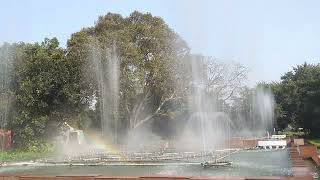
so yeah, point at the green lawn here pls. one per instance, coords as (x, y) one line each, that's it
(20, 156)
(314, 142)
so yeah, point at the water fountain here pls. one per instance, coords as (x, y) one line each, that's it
(254, 117)
(106, 68)
(204, 139)
(263, 111)
(208, 129)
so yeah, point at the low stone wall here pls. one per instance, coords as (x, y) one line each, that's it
(298, 142)
(309, 151)
(243, 143)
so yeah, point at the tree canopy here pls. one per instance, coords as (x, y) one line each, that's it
(43, 90)
(298, 98)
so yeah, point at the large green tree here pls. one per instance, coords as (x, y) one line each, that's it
(151, 63)
(298, 98)
(44, 90)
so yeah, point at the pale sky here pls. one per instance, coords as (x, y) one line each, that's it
(269, 37)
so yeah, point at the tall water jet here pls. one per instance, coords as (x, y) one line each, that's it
(4, 85)
(106, 68)
(254, 113)
(196, 100)
(5, 62)
(263, 111)
(114, 84)
(206, 127)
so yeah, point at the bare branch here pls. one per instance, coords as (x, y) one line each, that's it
(224, 79)
(157, 112)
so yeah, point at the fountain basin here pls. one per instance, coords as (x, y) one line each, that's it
(244, 163)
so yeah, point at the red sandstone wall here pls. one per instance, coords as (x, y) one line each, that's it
(308, 151)
(243, 143)
(5, 139)
(298, 142)
(236, 143)
(250, 143)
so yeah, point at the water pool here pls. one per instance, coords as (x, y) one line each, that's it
(244, 163)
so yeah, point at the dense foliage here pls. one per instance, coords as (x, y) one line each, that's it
(298, 99)
(42, 89)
